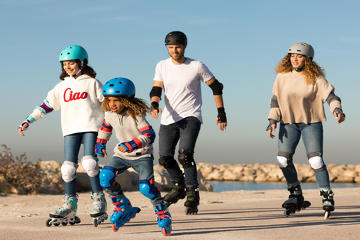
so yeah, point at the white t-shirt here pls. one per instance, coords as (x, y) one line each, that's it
(79, 101)
(182, 89)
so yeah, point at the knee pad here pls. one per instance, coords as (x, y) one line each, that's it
(148, 188)
(186, 159)
(68, 171)
(107, 177)
(167, 161)
(283, 159)
(316, 161)
(90, 165)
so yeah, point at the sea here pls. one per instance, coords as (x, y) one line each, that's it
(236, 186)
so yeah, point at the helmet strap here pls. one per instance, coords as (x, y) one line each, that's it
(299, 69)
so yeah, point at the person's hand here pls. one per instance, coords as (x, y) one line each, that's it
(100, 149)
(338, 113)
(23, 126)
(271, 128)
(155, 110)
(221, 119)
(128, 146)
(222, 125)
(122, 148)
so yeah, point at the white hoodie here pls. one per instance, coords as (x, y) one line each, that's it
(79, 100)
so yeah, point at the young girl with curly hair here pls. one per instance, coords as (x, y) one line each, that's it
(299, 92)
(126, 115)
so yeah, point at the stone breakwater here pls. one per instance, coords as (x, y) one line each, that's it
(272, 173)
(52, 183)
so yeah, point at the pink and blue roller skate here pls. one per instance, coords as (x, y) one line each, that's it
(123, 211)
(163, 218)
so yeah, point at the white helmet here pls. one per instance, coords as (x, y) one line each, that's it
(303, 49)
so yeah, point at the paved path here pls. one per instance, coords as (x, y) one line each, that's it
(228, 215)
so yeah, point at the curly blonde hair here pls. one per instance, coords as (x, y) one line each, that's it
(132, 106)
(311, 69)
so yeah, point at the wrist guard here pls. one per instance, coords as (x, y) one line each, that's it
(129, 146)
(154, 106)
(221, 115)
(100, 146)
(271, 122)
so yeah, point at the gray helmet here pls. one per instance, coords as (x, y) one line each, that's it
(303, 49)
(175, 37)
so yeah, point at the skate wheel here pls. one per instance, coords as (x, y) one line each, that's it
(306, 204)
(56, 224)
(48, 222)
(64, 223)
(287, 212)
(327, 215)
(114, 228)
(72, 223)
(163, 230)
(189, 211)
(96, 223)
(77, 219)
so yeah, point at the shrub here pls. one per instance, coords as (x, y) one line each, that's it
(24, 176)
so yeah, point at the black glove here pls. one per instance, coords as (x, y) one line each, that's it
(221, 115)
(154, 106)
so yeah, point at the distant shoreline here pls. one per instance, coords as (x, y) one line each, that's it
(348, 173)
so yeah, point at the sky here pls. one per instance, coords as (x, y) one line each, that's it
(241, 42)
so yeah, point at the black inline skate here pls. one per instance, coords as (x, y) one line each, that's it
(296, 201)
(192, 200)
(177, 192)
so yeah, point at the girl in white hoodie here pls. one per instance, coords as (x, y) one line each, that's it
(79, 98)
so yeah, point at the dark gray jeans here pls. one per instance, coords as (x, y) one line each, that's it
(185, 132)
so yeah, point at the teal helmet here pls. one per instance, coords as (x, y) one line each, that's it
(73, 52)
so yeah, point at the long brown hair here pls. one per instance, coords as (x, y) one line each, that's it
(86, 69)
(311, 69)
(132, 106)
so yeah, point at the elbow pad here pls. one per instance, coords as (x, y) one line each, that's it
(155, 92)
(217, 87)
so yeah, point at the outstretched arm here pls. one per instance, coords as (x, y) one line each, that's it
(217, 87)
(38, 113)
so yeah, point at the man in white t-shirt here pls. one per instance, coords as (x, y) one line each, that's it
(181, 78)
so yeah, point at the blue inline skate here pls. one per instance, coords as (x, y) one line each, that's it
(123, 211)
(163, 218)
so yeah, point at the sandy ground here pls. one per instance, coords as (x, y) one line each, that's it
(227, 215)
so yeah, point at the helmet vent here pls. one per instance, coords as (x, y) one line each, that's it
(111, 85)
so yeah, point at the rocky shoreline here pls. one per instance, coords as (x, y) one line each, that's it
(272, 173)
(52, 183)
